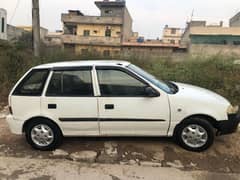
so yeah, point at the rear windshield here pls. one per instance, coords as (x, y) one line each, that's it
(33, 83)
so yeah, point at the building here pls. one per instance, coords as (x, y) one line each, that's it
(14, 33)
(54, 39)
(197, 26)
(211, 40)
(3, 24)
(43, 31)
(235, 20)
(171, 35)
(99, 35)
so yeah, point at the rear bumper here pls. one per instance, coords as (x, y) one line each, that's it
(14, 125)
(228, 126)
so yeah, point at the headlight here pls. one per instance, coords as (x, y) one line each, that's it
(232, 109)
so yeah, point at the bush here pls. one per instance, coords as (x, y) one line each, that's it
(216, 73)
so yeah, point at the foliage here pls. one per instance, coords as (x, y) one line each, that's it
(217, 73)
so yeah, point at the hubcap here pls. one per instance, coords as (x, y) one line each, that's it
(195, 136)
(42, 135)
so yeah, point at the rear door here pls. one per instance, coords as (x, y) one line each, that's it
(124, 107)
(25, 99)
(70, 101)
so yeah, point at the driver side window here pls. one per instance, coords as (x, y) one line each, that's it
(114, 82)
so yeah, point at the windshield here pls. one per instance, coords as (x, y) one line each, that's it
(161, 84)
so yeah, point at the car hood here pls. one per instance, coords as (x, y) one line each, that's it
(199, 93)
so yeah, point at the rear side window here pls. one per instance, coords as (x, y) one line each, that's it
(71, 83)
(33, 83)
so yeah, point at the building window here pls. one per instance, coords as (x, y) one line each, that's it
(106, 53)
(86, 33)
(108, 32)
(172, 41)
(3, 25)
(108, 11)
(173, 31)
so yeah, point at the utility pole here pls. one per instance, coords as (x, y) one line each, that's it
(36, 27)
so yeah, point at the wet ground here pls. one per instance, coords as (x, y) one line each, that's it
(223, 157)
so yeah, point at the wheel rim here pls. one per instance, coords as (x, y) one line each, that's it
(42, 135)
(194, 136)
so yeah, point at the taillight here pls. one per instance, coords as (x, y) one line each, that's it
(10, 109)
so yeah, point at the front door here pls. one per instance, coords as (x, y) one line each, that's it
(124, 107)
(71, 102)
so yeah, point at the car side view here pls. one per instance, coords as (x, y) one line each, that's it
(114, 98)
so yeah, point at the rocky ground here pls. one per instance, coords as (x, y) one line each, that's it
(117, 158)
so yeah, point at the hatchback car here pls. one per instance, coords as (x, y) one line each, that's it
(114, 98)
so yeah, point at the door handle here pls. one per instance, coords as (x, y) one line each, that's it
(52, 106)
(109, 106)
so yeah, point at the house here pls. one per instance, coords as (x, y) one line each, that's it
(171, 35)
(99, 35)
(204, 39)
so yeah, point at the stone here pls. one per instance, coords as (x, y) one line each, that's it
(150, 164)
(110, 148)
(132, 162)
(84, 156)
(139, 155)
(175, 164)
(59, 153)
(158, 156)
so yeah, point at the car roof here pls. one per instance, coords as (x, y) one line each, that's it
(83, 63)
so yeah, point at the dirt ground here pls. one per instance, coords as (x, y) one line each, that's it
(223, 157)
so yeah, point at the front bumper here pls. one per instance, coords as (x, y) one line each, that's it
(229, 126)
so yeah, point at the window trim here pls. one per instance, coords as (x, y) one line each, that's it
(59, 69)
(133, 75)
(22, 81)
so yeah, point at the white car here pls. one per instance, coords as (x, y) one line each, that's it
(114, 98)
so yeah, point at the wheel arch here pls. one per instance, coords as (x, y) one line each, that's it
(38, 118)
(208, 118)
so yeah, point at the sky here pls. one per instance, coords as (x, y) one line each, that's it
(149, 16)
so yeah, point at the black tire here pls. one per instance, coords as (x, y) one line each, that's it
(57, 134)
(195, 121)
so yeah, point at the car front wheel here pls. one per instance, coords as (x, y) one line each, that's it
(195, 134)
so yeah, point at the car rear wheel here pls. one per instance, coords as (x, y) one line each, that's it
(195, 134)
(43, 135)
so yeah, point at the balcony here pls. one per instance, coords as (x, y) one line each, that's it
(66, 18)
(91, 40)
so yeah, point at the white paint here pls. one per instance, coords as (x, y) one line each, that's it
(3, 24)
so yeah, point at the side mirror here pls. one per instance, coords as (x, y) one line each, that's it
(150, 92)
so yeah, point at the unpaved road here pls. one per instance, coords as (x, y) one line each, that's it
(19, 161)
(21, 168)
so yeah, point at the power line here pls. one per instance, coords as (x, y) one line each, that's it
(14, 12)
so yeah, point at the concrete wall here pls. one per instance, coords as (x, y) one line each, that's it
(146, 52)
(208, 50)
(127, 26)
(91, 19)
(98, 30)
(3, 24)
(97, 50)
(235, 21)
(91, 40)
(14, 33)
(112, 11)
